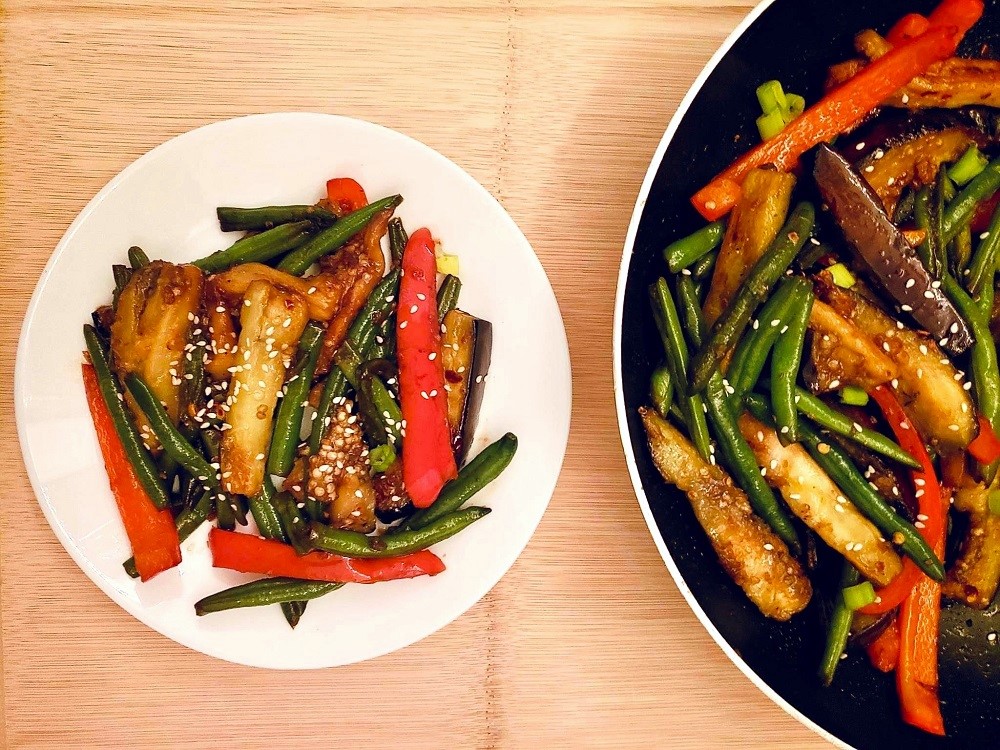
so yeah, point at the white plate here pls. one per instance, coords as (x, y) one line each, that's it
(165, 202)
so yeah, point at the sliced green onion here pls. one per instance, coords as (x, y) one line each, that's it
(853, 396)
(994, 501)
(842, 275)
(771, 97)
(770, 124)
(796, 106)
(447, 264)
(968, 166)
(859, 595)
(382, 457)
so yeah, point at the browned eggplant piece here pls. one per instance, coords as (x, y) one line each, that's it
(879, 243)
(929, 387)
(339, 474)
(813, 497)
(321, 292)
(866, 628)
(974, 577)
(914, 163)
(391, 500)
(842, 354)
(466, 348)
(750, 552)
(754, 223)
(222, 336)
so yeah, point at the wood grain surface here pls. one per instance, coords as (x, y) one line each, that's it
(556, 107)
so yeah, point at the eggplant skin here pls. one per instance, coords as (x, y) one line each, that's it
(813, 497)
(974, 577)
(926, 382)
(880, 244)
(466, 351)
(749, 551)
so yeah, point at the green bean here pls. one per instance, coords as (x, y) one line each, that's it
(266, 217)
(356, 544)
(186, 522)
(924, 217)
(751, 354)
(385, 339)
(811, 254)
(447, 297)
(288, 422)
(381, 410)
(672, 335)
(661, 390)
(961, 250)
(945, 191)
(265, 515)
(397, 240)
(704, 267)
(687, 250)
(846, 476)
(258, 248)
(690, 310)
(263, 592)
(960, 210)
(739, 459)
(122, 275)
(826, 416)
(292, 522)
(785, 363)
(360, 339)
(299, 260)
(170, 438)
(754, 289)
(472, 477)
(984, 262)
(138, 456)
(840, 627)
(903, 211)
(983, 358)
(137, 257)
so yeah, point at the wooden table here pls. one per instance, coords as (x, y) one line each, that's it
(556, 107)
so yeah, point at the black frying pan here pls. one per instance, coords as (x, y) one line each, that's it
(793, 41)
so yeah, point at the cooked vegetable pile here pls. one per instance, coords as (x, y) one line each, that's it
(335, 409)
(830, 387)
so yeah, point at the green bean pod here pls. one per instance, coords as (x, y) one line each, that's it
(959, 210)
(961, 249)
(288, 421)
(141, 460)
(924, 216)
(137, 257)
(687, 250)
(292, 522)
(826, 416)
(661, 390)
(690, 310)
(739, 459)
(473, 477)
(672, 335)
(903, 211)
(785, 363)
(356, 544)
(265, 515)
(258, 248)
(840, 627)
(447, 297)
(332, 238)
(754, 289)
(169, 436)
(233, 219)
(751, 354)
(702, 269)
(263, 592)
(984, 263)
(397, 240)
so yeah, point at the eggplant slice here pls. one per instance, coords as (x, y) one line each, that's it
(881, 245)
(467, 343)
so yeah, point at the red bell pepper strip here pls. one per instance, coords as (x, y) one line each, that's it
(345, 195)
(986, 447)
(428, 460)
(151, 532)
(932, 521)
(837, 112)
(961, 15)
(884, 650)
(909, 26)
(248, 553)
(920, 613)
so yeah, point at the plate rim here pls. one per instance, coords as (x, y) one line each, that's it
(620, 409)
(563, 361)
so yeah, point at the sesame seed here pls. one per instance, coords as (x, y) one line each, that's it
(402, 324)
(769, 546)
(432, 356)
(834, 383)
(870, 168)
(905, 308)
(910, 283)
(860, 146)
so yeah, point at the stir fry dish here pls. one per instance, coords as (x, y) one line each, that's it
(830, 388)
(302, 379)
